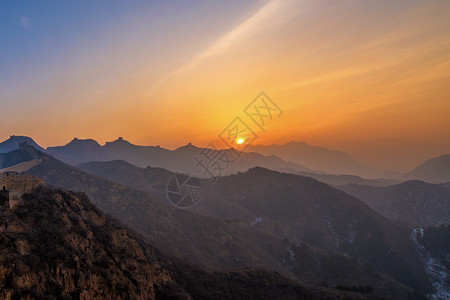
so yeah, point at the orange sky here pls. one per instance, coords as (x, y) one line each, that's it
(340, 71)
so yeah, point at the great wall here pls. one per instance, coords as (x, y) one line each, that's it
(13, 185)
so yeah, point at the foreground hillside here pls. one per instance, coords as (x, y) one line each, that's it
(58, 245)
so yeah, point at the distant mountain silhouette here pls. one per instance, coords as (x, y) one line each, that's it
(435, 170)
(57, 245)
(179, 160)
(349, 179)
(415, 202)
(291, 207)
(13, 143)
(315, 158)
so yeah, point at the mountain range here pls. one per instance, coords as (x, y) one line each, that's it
(329, 166)
(315, 158)
(302, 235)
(306, 217)
(295, 225)
(179, 160)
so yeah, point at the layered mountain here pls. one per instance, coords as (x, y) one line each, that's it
(57, 245)
(314, 158)
(300, 210)
(181, 159)
(415, 202)
(349, 179)
(435, 170)
(226, 243)
(397, 155)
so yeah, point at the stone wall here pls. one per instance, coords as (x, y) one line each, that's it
(18, 184)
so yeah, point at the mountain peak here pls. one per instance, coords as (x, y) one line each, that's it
(83, 141)
(188, 146)
(434, 170)
(120, 141)
(14, 141)
(260, 170)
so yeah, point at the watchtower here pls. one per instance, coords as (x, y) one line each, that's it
(4, 196)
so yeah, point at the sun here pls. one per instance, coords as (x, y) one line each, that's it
(240, 141)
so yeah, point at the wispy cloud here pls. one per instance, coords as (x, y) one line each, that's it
(26, 22)
(249, 27)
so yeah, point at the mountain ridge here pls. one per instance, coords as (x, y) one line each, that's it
(314, 157)
(416, 202)
(434, 170)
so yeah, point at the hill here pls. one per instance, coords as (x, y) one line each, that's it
(415, 202)
(314, 158)
(349, 179)
(13, 143)
(300, 210)
(58, 245)
(24, 155)
(435, 170)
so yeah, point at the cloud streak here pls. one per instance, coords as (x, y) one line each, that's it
(247, 28)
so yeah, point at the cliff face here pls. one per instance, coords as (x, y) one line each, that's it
(58, 245)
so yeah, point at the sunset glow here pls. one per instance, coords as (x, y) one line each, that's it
(167, 73)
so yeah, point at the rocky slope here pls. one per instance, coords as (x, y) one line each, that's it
(57, 245)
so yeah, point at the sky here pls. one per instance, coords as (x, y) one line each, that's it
(172, 72)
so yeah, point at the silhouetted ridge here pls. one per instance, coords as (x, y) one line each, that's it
(435, 170)
(13, 143)
(89, 142)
